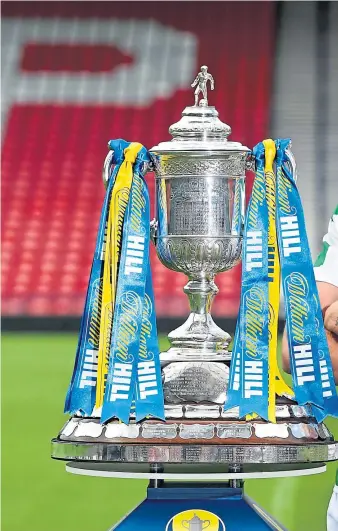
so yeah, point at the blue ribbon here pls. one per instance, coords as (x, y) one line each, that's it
(82, 390)
(310, 361)
(248, 382)
(134, 368)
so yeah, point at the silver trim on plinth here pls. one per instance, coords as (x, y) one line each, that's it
(190, 453)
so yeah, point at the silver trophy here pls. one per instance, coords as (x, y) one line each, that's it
(200, 203)
(200, 194)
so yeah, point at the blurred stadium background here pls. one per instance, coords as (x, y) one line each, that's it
(74, 75)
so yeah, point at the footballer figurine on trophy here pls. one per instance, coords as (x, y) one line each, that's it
(201, 81)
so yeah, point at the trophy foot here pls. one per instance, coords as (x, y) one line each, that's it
(198, 339)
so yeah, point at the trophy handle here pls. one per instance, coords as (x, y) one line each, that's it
(106, 173)
(205, 522)
(153, 231)
(250, 162)
(184, 522)
(107, 168)
(292, 162)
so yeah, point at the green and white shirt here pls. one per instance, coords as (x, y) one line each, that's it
(326, 265)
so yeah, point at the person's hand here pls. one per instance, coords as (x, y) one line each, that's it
(332, 343)
(331, 318)
(331, 330)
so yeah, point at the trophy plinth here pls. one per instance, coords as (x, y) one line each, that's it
(202, 434)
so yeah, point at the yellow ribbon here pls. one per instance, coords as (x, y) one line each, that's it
(117, 209)
(276, 382)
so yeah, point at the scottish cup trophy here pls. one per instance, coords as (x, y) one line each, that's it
(198, 231)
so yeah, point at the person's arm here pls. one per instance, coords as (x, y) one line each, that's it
(331, 318)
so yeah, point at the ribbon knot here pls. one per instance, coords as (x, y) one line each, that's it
(270, 154)
(131, 152)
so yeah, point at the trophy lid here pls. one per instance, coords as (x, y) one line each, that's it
(200, 128)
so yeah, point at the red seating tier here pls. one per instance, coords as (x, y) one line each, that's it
(53, 152)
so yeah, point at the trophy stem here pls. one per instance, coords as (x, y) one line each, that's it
(199, 338)
(201, 293)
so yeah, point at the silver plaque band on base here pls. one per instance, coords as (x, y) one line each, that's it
(176, 453)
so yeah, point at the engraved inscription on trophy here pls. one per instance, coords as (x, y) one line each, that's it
(283, 454)
(233, 431)
(192, 454)
(199, 206)
(176, 453)
(208, 454)
(195, 382)
(156, 454)
(133, 453)
(269, 453)
(196, 431)
(159, 431)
